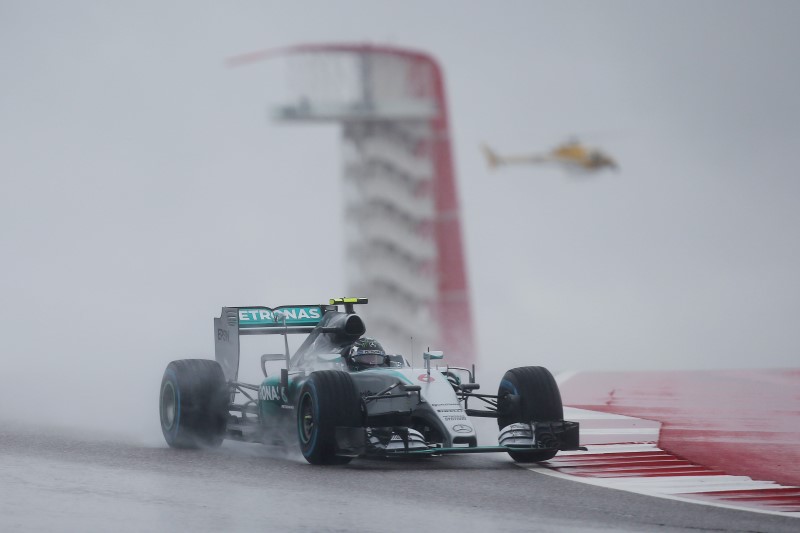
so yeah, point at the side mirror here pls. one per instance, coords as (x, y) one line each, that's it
(428, 356)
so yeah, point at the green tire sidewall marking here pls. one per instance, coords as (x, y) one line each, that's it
(305, 439)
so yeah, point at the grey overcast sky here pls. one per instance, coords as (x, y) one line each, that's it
(143, 186)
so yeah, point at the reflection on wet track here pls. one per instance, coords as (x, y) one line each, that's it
(66, 482)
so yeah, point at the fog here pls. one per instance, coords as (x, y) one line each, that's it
(144, 186)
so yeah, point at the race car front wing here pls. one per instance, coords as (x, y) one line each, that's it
(559, 435)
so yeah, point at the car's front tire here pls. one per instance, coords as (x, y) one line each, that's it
(193, 403)
(525, 394)
(327, 399)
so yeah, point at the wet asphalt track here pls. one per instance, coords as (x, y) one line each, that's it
(52, 481)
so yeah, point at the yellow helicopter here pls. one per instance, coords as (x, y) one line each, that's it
(572, 154)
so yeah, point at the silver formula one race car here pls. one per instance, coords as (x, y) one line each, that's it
(341, 396)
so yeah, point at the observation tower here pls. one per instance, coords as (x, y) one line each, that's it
(403, 246)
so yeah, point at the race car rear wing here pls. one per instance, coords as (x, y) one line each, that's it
(259, 320)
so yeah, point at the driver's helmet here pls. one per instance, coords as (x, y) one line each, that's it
(366, 352)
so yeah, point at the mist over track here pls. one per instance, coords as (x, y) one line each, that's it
(71, 482)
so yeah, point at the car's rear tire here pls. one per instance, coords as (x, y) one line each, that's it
(327, 399)
(536, 397)
(193, 403)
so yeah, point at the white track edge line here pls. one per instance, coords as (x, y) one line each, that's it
(589, 481)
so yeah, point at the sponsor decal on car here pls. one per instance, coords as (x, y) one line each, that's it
(272, 393)
(425, 378)
(264, 316)
(462, 428)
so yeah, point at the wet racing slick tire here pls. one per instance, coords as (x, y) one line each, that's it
(193, 403)
(327, 399)
(528, 393)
